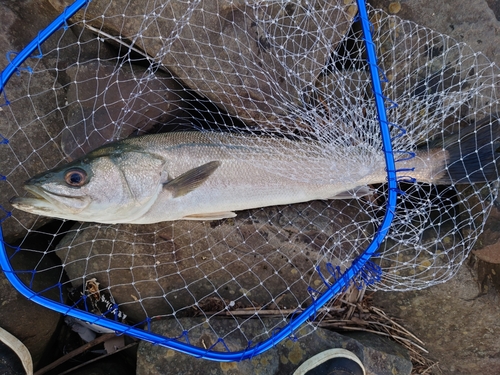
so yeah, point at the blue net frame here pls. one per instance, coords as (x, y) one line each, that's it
(362, 270)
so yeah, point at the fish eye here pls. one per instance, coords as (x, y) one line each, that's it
(75, 177)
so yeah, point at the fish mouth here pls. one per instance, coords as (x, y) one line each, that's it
(47, 203)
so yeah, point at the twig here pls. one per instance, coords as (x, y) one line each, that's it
(385, 334)
(98, 358)
(251, 311)
(120, 41)
(399, 330)
(129, 46)
(426, 371)
(382, 314)
(264, 312)
(75, 352)
(347, 302)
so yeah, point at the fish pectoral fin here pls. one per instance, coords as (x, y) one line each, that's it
(190, 180)
(359, 191)
(210, 216)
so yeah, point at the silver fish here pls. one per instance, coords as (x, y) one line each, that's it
(209, 176)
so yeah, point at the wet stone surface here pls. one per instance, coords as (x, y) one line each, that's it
(458, 324)
(231, 66)
(379, 356)
(96, 114)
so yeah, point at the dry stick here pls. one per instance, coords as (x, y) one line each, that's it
(347, 302)
(382, 314)
(252, 312)
(435, 364)
(120, 41)
(389, 331)
(75, 352)
(398, 330)
(385, 334)
(98, 358)
(264, 312)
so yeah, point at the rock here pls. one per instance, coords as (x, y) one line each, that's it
(231, 52)
(96, 97)
(456, 321)
(34, 325)
(472, 22)
(180, 267)
(113, 365)
(494, 5)
(150, 357)
(486, 264)
(461, 42)
(379, 355)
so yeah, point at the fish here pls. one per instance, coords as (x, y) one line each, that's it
(203, 175)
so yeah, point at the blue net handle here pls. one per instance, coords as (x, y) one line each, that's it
(60, 21)
(359, 267)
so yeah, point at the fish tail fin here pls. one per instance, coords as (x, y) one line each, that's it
(473, 154)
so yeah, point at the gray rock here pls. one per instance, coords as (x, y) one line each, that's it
(380, 356)
(222, 52)
(113, 365)
(486, 261)
(457, 322)
(471, 21)
(152, 358)
(96, 111)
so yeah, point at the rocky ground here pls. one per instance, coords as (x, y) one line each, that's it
(458, 320)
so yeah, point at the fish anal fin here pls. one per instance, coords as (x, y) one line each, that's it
(190, 180)
(359, 191)
(210, 216)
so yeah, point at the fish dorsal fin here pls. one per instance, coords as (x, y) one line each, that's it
(190, 180)
(210, 216)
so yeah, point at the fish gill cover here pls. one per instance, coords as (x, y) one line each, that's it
(291, 79)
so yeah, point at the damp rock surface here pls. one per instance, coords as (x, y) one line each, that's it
(456, 321)
(379, 355)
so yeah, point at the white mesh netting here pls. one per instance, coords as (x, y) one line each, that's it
(289, 85)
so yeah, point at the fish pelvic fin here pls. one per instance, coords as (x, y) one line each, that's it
(190, 180)
(210, 216)
(473, 154)
(359, 191)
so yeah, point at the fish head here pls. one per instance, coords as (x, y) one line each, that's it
(106, 187)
